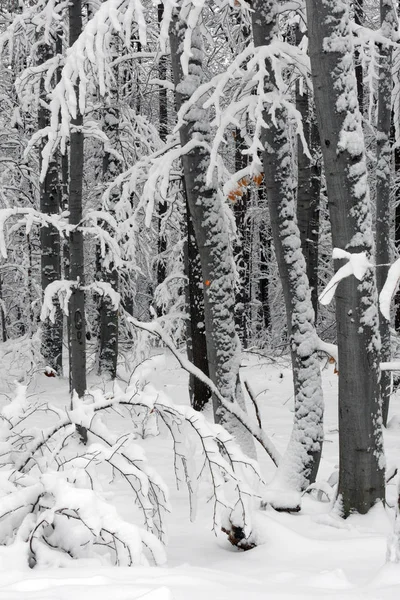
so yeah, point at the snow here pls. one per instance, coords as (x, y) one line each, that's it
(311, 555)
(357, 264)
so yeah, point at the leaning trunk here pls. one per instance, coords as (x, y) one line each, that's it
(212, 237)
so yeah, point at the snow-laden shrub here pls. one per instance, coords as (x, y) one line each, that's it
(51, 499)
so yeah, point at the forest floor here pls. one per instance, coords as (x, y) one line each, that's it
(312, 554)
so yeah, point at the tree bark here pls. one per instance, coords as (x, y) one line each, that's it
(299, 465)
(210, 227)
(196, 340)
(76, 251)
(163, 131)
(242, 248)
(308, 188)
(108, 316)
(52, 333)
(361, 468)
(383, 186)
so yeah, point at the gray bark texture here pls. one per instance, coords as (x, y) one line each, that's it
(76, 252)
(361, 470)
(210, 227)
(383, 186)
(299, 465)
(108, 316)
(308, 187)
(195, 332)
(49, 192)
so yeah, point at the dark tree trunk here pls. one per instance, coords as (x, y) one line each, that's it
(361, 468)
(108, 317)
(196, 340)
(265, 261)
(358, 19)
(52, 333)
(76, 251)
(242, 247)
(2, 313)
(163, 131)
(383, 188)
(308, 189)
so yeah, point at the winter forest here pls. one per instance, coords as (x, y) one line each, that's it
(199, 315)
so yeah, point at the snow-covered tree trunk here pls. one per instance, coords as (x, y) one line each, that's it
(212, 237)
(242, 249)
(308, 187)
(108, 316)
(362, 465)
(76, 252)
(163, 131)
(49, 191)
(358, 6)
(299, 465)
(383, 185)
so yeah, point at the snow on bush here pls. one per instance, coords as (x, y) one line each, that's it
(52, 500)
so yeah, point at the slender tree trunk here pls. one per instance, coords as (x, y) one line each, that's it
(52, 333)
(383, 186)
(265, 261)
(210, 227)
(358, 19)
(196, 340)
(163, 131)
(242, 249)
(397, 231)
(308, 188)
(361, 468)
(2, 313)
(76, 252)
(108, 317)
(299, 465)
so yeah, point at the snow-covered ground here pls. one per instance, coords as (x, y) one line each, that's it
(313, 554)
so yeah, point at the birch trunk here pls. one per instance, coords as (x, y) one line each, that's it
(210, 227)
(361, 459)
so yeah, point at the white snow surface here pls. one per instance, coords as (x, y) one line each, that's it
(310, 555)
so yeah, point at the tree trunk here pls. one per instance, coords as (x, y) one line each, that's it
(383, 187)
(2, 313)
(242, 249)
(210, 227)
(361, 469)
(308, 188)
(76, 252)
(108, 339)
(358, 19)
(163, 131)
(299, 465)
(397, 232)
(196, 340)
(52, 333)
